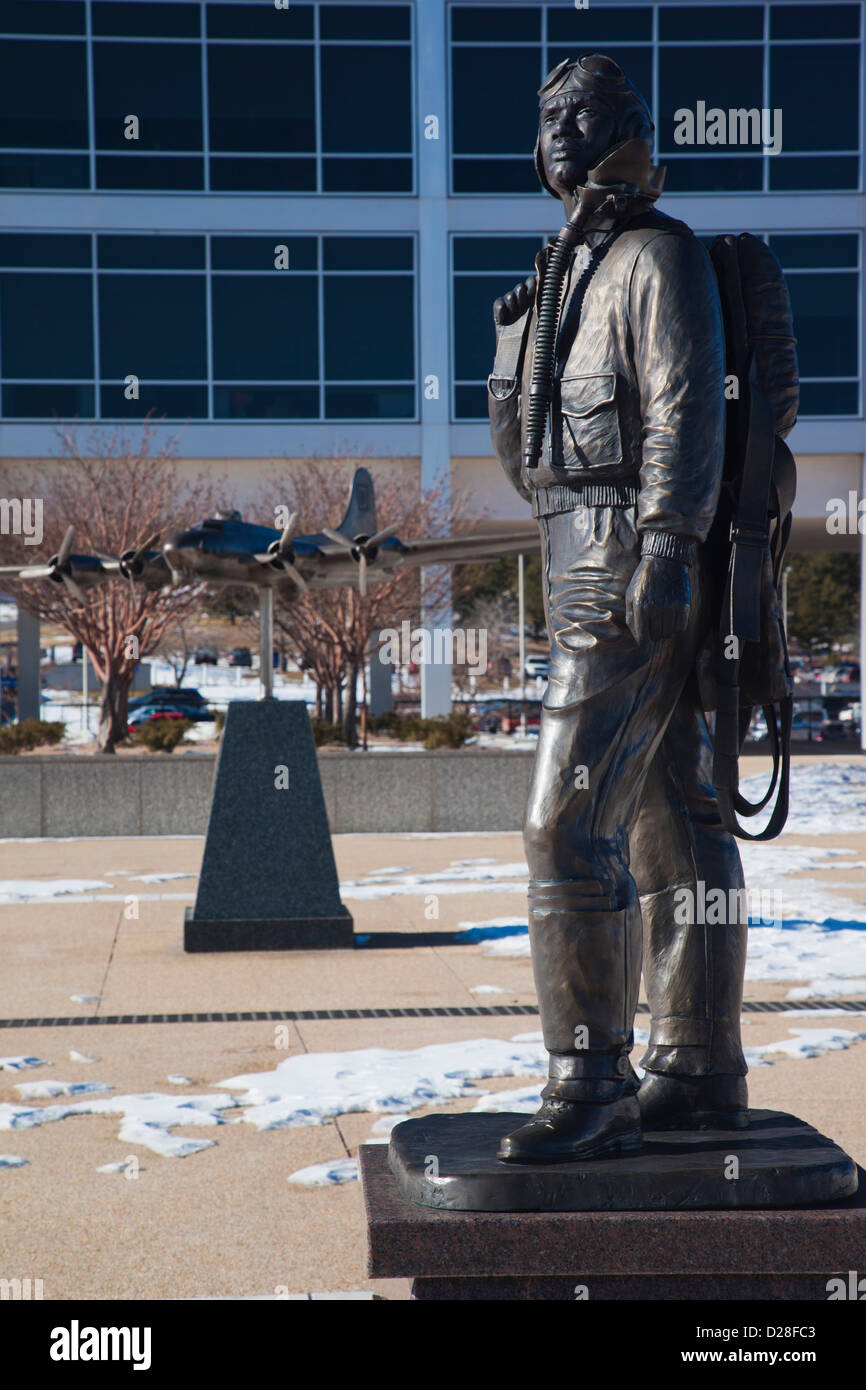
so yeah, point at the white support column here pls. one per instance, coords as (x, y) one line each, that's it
(434, 307)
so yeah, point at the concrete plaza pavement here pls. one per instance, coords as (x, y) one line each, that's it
(224, 1222)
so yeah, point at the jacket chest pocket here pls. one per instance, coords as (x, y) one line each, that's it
(590, 422)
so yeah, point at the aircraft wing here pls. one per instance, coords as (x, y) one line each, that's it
(453, 550)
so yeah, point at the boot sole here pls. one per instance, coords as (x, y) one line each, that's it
(630, 1142)
(700, 1119)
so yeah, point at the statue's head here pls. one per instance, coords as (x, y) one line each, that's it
(585, 108)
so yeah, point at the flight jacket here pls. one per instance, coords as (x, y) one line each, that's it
(638, 403)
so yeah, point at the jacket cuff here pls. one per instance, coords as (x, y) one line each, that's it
(669, 547)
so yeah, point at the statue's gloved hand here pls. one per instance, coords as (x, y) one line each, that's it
(512, 305)
(658, 599)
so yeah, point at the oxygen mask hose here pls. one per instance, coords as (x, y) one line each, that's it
(549, 307)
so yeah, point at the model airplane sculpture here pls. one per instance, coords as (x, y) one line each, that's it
(225, 549)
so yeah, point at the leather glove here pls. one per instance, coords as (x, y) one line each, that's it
(516, 302)
(658, 599)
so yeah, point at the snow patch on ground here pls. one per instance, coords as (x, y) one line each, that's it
(145, 1119)
(20, 1063)
(47, 1090)
(27, 890)
(314, 1087)
(826, 797)
(833, 988)
(80, 1056)
(12, 1161)
(332, 1174)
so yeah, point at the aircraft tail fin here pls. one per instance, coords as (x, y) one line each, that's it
(360, 518)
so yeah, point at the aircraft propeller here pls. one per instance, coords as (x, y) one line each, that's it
(362, 548)
(279, 554)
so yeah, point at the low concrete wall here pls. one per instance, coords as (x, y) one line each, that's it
(154, 794)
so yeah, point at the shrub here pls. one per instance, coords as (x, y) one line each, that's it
(325, 732)
(162, 735)
(30, 733)
(443, 731)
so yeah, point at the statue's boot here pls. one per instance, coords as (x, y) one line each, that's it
(563, 1131)
(693, 972)
(587, 972)
(693, 1102)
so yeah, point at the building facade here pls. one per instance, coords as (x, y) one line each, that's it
(281, 226)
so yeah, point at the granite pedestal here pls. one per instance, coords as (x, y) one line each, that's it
(686, 1254)
(268, 879)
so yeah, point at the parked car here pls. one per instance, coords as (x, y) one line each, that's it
(205, 656)
(189, 700)
(509, 722)
(536, 666)
(148, 713)
(848, 673)
(240, 656)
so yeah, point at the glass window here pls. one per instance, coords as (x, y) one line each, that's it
(154, 171)
(828, 397)
(43, 94)
(712, 174)
(824, 21)
(601, 25)
(688, 76)
(825, 320)
(158, 83)
(369, 328)
(246, 402)
(156, 252)
(711, 22)
(359, 175)
(364, 21)
(175, 20)
(261, 98)
(370, 402)
(44, 171)
(818, 172)
(474, 337)
(49, 252)
(366, 99)
(47, 400)
(42, 17)
(501, 24)
(46, 325)
(470, 402)
(510, 254)
(368, 253)
(830, 71)
(265, 327)
(495, 102)
(152, 326)
(801, 252)
(495, 175)
(259, 252)
(246, 175)
(263, 21)
(175, 402)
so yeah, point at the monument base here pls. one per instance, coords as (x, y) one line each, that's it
(733, 1255)
(267, 933)
(779, 1161)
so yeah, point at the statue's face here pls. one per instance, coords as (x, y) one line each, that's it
(574, 130)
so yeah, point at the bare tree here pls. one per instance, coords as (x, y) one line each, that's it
(330, 630)
(116, 494)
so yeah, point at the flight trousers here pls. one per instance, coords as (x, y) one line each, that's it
(622, 834)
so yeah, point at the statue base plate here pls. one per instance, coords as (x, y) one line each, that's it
(449, 1162)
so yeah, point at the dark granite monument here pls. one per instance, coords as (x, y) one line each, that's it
(268, 879)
